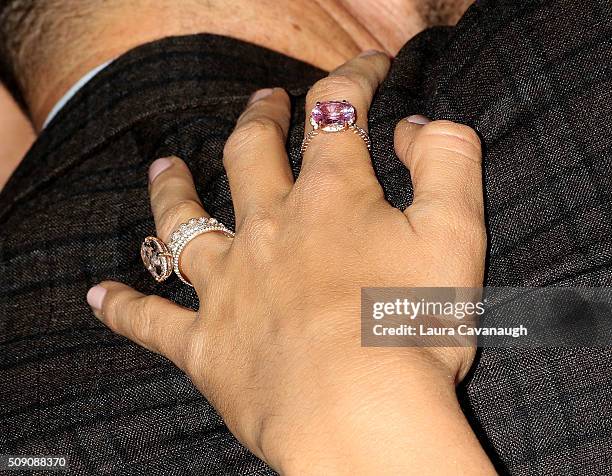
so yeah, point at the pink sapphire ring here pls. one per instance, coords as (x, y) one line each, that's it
(334, 116)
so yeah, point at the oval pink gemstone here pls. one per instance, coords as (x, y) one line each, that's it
(332, 116)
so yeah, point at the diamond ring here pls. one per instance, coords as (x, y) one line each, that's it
(157, 258)
(161, 259)
(187, 232)
(334, 116)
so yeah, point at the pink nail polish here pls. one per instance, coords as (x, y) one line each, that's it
(95, 297)
(257, 95)
(418, 119)
(158, 167)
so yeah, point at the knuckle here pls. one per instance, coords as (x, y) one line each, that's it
(262, 126)
(259, 233)
(176, 214)
(142, 323)
(319, 195)
(327, 179)
(470, 135)
(163, 186)
(258, 237)
(254, 130)
(452, 136)
(193, 353)
(404, 145)
(333, 85)
(112, 312)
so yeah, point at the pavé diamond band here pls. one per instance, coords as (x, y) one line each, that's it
(334, 116)
(187, 232)
(161, 259)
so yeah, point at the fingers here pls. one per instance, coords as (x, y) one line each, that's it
(150, 321)
(255, 157)
(174, 201)
(356, 82)
(445, 163)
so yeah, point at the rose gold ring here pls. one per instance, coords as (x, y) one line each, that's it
(187, 232)
(161, 259)
(157, 258)
(334, 116)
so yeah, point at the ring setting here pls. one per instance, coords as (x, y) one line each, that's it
(162, 259)
(157, 258)
(334, 116)
(187, 232)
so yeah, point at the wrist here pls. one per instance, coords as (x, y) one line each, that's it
(367, 426)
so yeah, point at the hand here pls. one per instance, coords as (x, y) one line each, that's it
(275, 345)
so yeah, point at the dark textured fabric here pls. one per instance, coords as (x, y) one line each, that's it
(533, 77)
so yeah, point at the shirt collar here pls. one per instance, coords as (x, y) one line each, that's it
(72, 91)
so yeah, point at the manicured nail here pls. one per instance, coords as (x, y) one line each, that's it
(95, 297)
(158, 167)
(257, 95)
(370, 53)
(418, 119)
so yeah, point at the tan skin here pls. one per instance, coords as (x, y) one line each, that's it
(322, 32)
(16, 135)
(273, 319)
(256, 345)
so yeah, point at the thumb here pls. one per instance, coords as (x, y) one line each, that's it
(150, 321)
(445, 163)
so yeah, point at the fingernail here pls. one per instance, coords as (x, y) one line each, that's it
(95, 297)
(257, 95)
(370, 53)
(158, 167)
(418, 119)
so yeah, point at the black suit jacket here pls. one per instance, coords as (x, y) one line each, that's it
(533, 78)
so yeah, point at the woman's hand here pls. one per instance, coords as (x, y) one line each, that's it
(275, 345)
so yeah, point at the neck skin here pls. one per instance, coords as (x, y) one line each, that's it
(323, 33)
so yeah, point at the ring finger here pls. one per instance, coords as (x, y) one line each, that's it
(174, 200)
(356, 82)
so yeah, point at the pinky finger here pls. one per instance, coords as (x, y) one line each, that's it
(150, 321)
